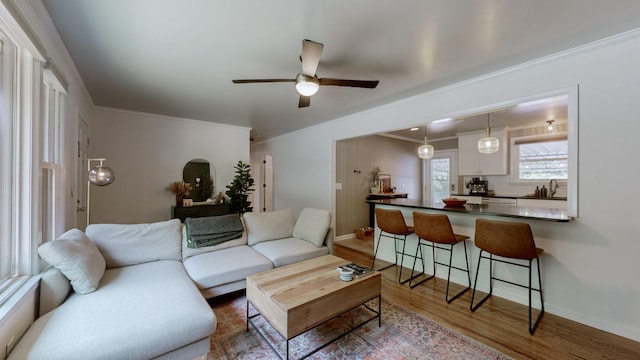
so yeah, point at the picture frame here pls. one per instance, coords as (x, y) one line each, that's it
(385, 182)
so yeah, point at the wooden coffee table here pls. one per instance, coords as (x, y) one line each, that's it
(298, 297)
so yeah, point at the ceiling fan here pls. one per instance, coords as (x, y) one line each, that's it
(307, 82)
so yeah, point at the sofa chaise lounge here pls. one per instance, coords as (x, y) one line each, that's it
(139, 292)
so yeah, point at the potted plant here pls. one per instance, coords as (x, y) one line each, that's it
(239, 189)
(180, 189)
(374, 186)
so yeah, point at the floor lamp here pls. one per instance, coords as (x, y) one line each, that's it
(99, 175)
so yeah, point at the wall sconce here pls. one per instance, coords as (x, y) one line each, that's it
(99, 175)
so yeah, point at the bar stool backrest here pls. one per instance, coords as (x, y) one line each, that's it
(391, 221)
(433, 227)
(506, 239)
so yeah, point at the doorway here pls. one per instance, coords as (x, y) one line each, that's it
(441, 176)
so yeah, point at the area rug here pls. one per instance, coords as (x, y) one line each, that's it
(403, 335)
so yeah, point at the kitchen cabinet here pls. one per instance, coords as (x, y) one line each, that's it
(471, 162)
(470, 199)
(543, 203)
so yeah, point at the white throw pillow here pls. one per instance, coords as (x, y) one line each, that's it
(312, 225)
(77, 258)
(272, 225)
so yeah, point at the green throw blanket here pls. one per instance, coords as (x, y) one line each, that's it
(212, 230)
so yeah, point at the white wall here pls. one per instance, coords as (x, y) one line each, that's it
(147, 152)
(394, 157)
(590, 267)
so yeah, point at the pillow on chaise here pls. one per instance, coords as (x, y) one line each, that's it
(77, 258)
(271, 225)
(312, 225)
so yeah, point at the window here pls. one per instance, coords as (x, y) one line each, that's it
(53, 96)
(21, 185)
(440, 181)
(7, 67)
(539, 158)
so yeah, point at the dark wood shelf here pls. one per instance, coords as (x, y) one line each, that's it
(183, 212)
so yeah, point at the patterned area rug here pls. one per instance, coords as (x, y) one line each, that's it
(403, 335)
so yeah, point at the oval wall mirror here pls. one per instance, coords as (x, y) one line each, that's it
(197, 172)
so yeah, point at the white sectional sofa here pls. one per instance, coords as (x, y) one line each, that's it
(140, 293)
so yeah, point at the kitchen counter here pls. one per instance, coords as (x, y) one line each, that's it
(512, 197)
(381, 196)
(534, 213)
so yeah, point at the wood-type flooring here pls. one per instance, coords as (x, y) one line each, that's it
(499, 323)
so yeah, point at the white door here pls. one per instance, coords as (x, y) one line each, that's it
(82, 175)
(441, 176)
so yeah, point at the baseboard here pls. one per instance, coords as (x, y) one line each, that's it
(345, 237)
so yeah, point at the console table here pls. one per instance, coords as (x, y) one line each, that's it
(183, 212)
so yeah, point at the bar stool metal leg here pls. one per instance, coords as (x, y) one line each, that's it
(433, 273)
(419, 249)
(466, 269)
(475, 283)
(533, 328)
(375, 253)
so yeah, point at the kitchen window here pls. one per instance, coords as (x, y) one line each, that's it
(540, 158)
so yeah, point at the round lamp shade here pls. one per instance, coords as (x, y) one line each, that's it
(425, 151)
(488, 145)
(101, 175)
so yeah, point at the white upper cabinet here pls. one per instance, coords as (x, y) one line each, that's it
(471, 162)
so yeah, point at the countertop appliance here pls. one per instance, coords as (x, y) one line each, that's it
(478, 186)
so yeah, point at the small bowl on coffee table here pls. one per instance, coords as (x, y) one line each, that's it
(345, 274)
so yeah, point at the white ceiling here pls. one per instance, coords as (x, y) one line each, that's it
(178, 57)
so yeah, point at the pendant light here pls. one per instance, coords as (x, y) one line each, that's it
(488, 144)
(425, 151)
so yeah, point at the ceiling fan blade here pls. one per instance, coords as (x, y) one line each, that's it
(304, 101)
(249, 81)
(369, 84)
(311, 52)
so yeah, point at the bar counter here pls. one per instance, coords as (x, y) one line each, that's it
(533, 213)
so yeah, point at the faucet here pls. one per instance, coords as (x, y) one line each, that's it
(553, 186)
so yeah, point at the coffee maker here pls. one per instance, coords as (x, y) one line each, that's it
(478, 186)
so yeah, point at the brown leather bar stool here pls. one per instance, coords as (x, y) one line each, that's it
(512, 240)
(392, 225)
(435, 231)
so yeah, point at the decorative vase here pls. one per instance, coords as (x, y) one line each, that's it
(179, 200)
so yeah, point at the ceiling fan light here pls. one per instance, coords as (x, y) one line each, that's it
(307, 85)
